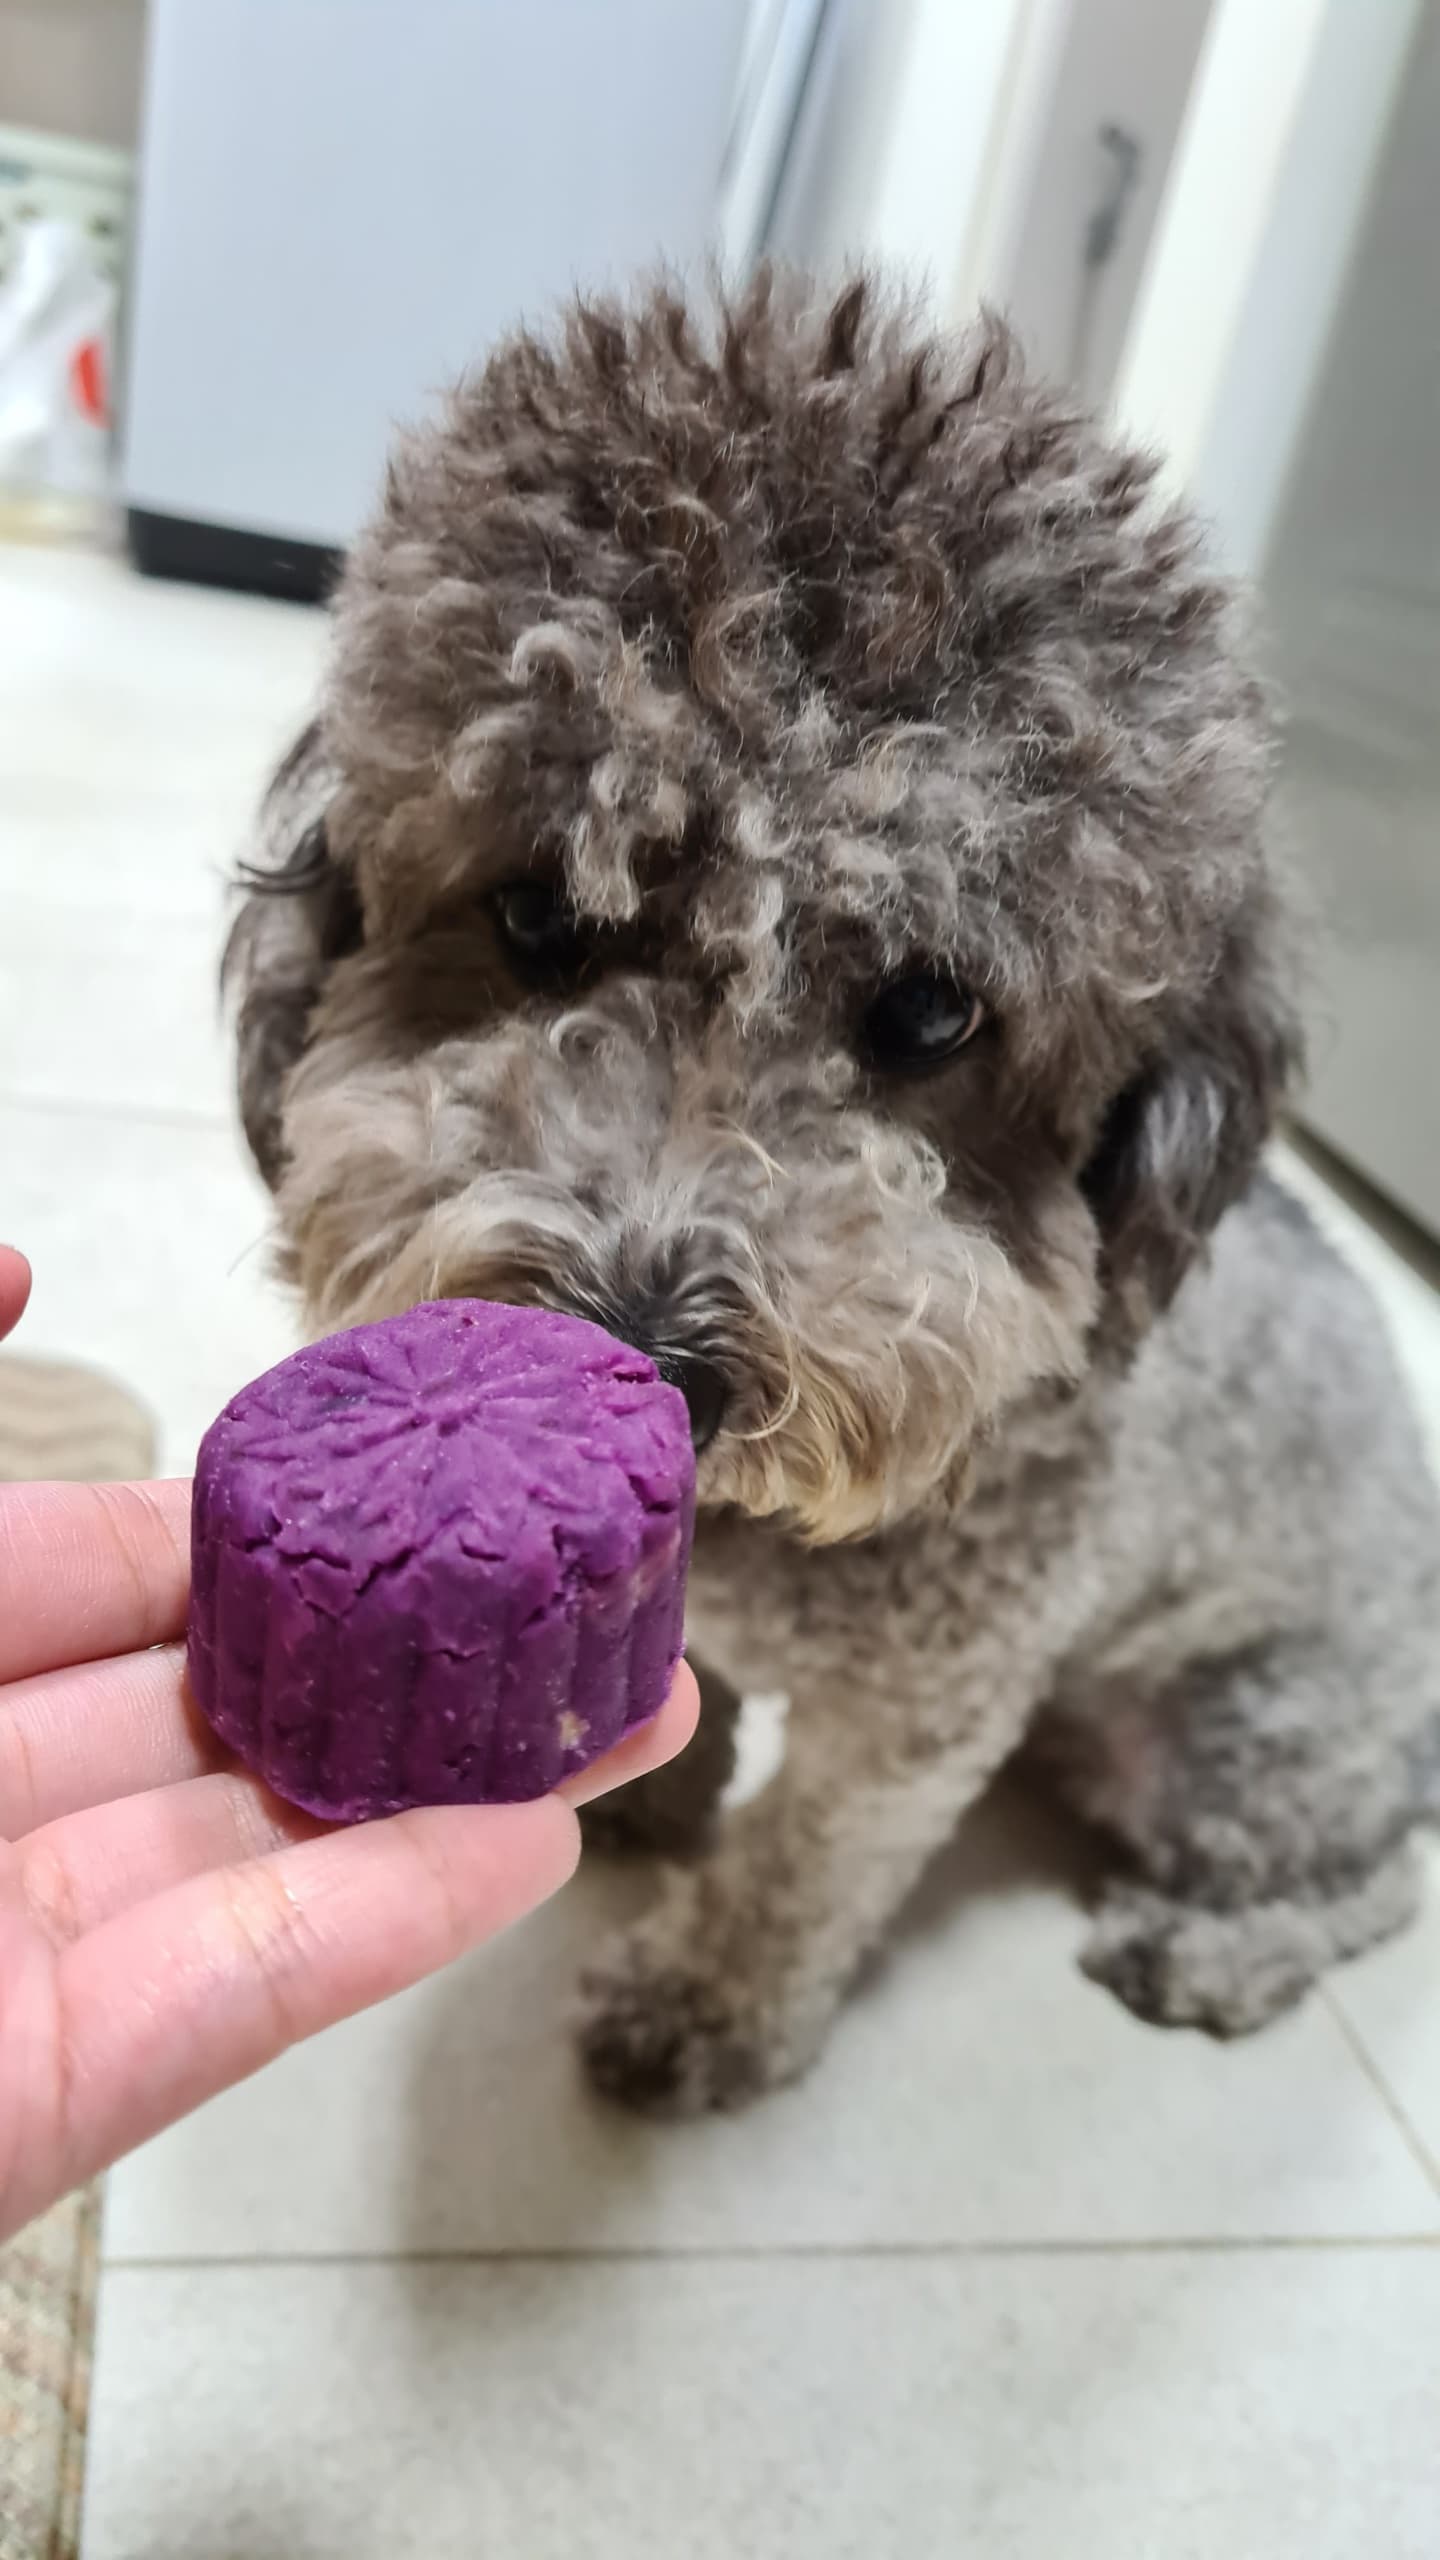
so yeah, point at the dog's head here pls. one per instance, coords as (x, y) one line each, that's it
(777, 871)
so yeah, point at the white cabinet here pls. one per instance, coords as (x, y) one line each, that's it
(344, 201)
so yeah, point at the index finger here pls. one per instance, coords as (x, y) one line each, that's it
(89, 1570)
(166, 2003)
(649, 1747)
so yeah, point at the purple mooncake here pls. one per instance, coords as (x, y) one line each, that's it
(440, 1559)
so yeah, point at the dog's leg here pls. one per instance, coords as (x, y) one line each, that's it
(672, 1812)
(1266, 1815)
(730, 1983)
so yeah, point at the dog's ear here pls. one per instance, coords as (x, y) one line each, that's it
(1181, 1142)
(301, 912)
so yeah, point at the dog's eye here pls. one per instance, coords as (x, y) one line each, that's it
(541, 928)
(918, 1021)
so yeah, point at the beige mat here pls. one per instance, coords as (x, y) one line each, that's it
(55, 1420)
(47, 2318)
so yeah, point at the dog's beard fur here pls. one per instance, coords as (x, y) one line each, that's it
(622, 1161)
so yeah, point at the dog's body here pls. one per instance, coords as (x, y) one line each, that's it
(1200, 1594)
(778, 870)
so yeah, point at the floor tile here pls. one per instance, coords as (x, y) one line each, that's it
(979, 2090)
(141, 722)
(162, 849)
(1391, 2000)
(1281, 2406)
(102, 667)
(107, 1005)
(148, 1242)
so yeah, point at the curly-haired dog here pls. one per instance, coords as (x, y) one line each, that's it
(777, 869)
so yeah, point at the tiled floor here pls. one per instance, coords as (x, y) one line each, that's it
(1010, 2276)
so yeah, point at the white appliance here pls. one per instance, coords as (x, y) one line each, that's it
(343, 202)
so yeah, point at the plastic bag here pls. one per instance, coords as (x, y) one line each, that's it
(57, 327)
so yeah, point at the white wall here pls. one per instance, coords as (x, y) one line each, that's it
(1288, 110)
(954, 142)
(892, 152)
(277, 332)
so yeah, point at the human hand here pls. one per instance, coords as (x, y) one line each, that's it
(167, 1925)
(14, 1288)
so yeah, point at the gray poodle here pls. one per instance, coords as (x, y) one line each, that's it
(778, 869)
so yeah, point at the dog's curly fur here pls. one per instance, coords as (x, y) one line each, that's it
(803, 653)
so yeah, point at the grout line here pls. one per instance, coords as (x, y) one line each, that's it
(786, 2252)
(1410, 2134)
(153, 1114)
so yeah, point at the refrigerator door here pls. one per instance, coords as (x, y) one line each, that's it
(1351, 596)
(343, 202)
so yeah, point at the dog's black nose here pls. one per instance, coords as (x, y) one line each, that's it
(703, 1387)
(647, 1324)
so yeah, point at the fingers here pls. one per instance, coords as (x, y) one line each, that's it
(662, 1739)
(69, 1739)
(80, 1866)
(173, 2000)
(203, 1926)
(14, 1288)
(79, 1872)
(88, 1570)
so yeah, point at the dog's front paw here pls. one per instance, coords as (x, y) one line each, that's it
(646, 1821)
(613, 1827)
(671, 2039)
